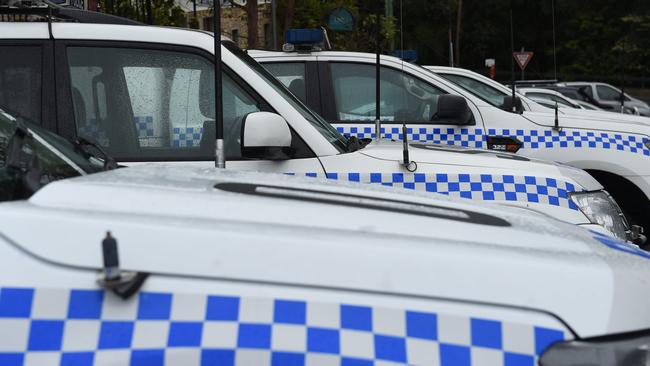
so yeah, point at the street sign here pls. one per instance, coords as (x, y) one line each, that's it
(341, 19)
(522, 58)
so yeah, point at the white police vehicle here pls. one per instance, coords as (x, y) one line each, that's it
(494, 92)
(146, 94)
(340, 87)
(219, 267)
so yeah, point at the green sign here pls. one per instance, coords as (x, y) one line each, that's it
(341, 19)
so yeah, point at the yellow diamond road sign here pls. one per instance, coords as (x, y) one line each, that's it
(522, 58)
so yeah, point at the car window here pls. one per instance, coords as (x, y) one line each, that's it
(608, 93)
(552, 98)
(403, 97)
(153, 104)
(21, 80)
(485, 92)
(292, 75)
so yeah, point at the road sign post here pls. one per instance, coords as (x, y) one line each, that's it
(522, 58)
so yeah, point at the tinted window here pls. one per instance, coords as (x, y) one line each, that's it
(57, 157)
(550, 97)
(149, 104)
(483, 91)
(20, 80)
(292, 75)
(608, 93)
(403, 98)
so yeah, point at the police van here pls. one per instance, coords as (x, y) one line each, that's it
(160, 265)
(340, 87)
(146, 94)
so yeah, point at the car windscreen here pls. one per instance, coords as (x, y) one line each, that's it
(54, 157)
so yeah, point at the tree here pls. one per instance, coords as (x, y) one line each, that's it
(313, 14)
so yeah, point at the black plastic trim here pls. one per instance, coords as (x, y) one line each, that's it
(382, 204)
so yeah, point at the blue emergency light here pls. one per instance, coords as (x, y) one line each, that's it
(406, 55)
(304, 36)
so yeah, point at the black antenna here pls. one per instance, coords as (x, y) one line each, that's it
(554, 49)
(220, 156)
(622, 96)
(450, 34)
(377, 76)
(556, 125)
(512, 59)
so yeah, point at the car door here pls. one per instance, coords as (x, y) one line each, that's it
(149, 103)
(25, 80)
(347, 90)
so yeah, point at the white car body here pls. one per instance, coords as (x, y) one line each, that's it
(261, 269)
(616, 146)
(530, 105)
(550, 96)
(479, 175)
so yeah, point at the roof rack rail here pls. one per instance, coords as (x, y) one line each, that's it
(535, 82)
(45, 11)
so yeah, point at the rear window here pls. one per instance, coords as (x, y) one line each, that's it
(21, 81)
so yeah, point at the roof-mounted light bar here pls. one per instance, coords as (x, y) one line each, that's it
(304, 40)
(406, 55)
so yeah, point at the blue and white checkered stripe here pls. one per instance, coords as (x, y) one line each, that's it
(93, 130)
(186, 137)
(144, 126)
(531, 139)
(90, 327)
(548, 191)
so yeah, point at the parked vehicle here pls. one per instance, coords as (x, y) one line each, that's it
(551, 96)
(609, 97)
(146, 94)
(218, 267)
(340, 86)
(31, 157)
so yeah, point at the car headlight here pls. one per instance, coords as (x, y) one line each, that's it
(601, 209)
(626, 349)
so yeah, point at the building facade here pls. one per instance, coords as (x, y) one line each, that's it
(234, 20)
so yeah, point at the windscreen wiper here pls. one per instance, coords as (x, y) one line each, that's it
(30, 178)
(81, 142)
(16, 146)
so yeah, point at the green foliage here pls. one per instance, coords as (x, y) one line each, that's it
(314, 13)
(595, 39)
(165, 12)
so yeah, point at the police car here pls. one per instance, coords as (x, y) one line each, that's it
(341, 87)
(493, 91)
(180, 265)
(146, 95)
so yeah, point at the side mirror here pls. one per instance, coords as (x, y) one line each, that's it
(265, 135)
(509, 102)
(453, 109)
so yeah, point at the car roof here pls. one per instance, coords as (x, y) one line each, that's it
(108, 32)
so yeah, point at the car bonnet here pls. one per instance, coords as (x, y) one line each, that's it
(286, 230)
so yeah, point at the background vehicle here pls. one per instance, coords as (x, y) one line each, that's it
(146, 94)
(238, 268)
(31, 157)
(609, 97)
(612, 149)
(551, 96)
